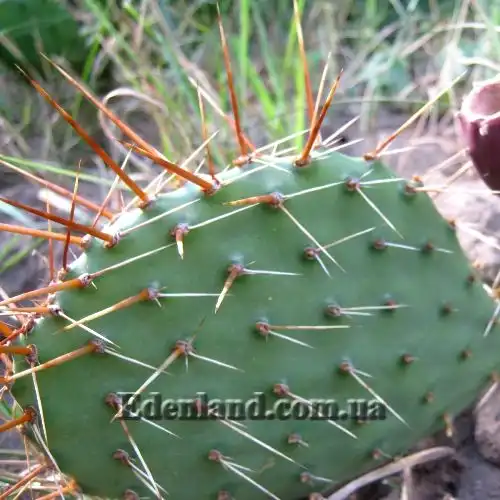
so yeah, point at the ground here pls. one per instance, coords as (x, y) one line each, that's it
(468, 475)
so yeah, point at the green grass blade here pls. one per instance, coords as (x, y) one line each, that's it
(243, 46)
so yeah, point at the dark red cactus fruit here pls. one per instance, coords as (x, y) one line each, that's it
(479, 119)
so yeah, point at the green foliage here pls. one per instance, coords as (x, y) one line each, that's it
(415, 330)
(31, 26)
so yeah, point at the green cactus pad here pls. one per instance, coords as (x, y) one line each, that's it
(413, 318)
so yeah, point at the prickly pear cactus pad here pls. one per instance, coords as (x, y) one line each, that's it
(304, 277)
(368, 311)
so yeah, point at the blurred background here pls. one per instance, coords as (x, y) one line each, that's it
(395, 54)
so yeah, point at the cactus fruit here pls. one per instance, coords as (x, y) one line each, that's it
(300, 277)
(479, 118)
